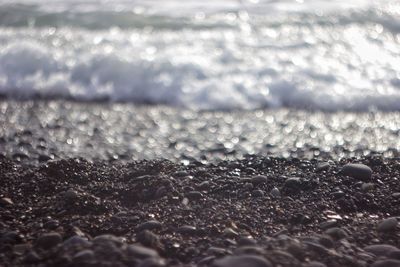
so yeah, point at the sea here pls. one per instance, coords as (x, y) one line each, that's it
(328, 55)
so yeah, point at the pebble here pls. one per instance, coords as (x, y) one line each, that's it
(49, 240)
(141, 252)
(328, 224)
(107, 238)
(20, 249)
(85, 255)
(336, 233)
(387, 225)
(194, 195)
(76, 240)
(396, 195)
(275, 192)
(229, 232)
(150, 225)
(293, 182)
(338, 194)
(323, 166)
(259, 179)
(315, 264)
(367, 187)
(257, 193)
(5, 201)
(187, 229)
(70, 196)
(386, 263)
(242, 261)
(357, 171)
(380, 249)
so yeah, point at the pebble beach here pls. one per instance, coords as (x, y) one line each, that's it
(67, 203)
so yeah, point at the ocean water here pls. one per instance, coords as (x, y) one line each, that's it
(210, 54)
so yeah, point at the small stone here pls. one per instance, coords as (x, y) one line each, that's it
(152, 262)
(49, 240)
(106, 238)
(257, 193)
(259, 179)
(367, 187)
(323, 166)
(357, 171)
(292, 182)
(5, 201)
(242, 261)
(386, 263)
(150, 225)
(20, 249)
(246, 241)
(336, 233)
(180, 174)
(141, 252)
(187, 229)
(380, 249)
(396, 195)
(275, 193)
(338, 194)
(76, 241)
(328, 224)
(32, 257)
(387, 225)
(229, 232)
(194, 195)
(70, 196)
(315, 264)
(86, 255)
(394, 255)
(10, 237)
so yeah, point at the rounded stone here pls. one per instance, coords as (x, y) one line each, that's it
(49, 240)
(386, 263)
(259, 179)
(387, 225)
(380, 249)
(315, 264)
(149, 225)
(357, 171)
(241, 261)
(141, 252)
(292, 182)
(275, 192)
(86, 255)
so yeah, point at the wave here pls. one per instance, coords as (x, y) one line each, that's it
(227, 59)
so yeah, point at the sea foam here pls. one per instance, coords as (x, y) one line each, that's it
(225, 55)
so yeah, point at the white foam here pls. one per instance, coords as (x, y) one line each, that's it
(215, 60)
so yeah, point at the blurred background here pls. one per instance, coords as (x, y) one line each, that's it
(213, 55)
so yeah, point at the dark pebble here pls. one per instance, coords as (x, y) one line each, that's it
(150, 225)
(141, 252)
(187, 229)
(357, 171)
(292, 182)
(86, 255)
(387, 225)
(380, 249)
(259, 179)
(386, 263)
(242, 261)
(48, 240)
(323, 166)
(194, 195)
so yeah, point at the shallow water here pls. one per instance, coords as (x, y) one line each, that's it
(225, 54)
